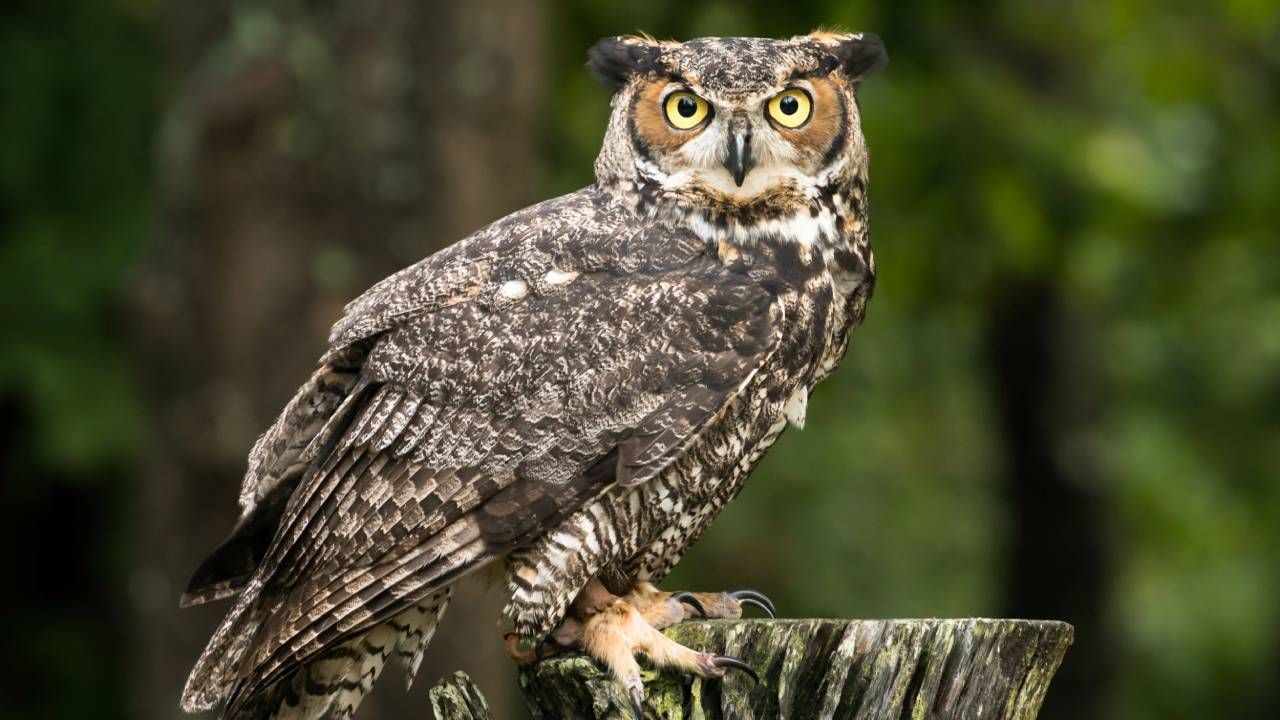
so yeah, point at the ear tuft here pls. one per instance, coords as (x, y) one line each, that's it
(616, 60)
(861, 54)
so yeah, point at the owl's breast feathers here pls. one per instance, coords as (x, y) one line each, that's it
(471, 401)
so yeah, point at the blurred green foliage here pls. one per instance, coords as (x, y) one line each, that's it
(78, 108)
(1125, 154)
(79, 86)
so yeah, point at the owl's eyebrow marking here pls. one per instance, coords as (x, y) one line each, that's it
(804, 74)
(679, 86)
(676, 77)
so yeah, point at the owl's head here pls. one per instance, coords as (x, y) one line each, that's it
(730, 122)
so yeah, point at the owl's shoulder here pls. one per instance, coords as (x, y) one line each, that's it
(531, 249)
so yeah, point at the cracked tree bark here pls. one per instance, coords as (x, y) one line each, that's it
(963, 669)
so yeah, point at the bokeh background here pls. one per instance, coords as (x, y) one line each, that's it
(1065, 402)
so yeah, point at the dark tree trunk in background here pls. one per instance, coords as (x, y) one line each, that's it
(1055, 565)
(309, 150)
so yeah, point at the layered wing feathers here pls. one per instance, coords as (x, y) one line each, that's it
(483, 415)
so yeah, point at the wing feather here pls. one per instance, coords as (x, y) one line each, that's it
(478, 421)
(581, 393)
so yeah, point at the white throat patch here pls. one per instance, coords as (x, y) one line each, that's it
(802, 227)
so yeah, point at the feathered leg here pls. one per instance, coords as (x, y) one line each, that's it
(614, 629)
(417, 626)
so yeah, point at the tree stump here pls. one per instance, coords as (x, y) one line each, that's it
(964, 669)
(457, 698)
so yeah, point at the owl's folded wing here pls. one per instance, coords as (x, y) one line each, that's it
(477, 426)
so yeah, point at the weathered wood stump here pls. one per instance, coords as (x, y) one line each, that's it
(457, 698)
(963, 669)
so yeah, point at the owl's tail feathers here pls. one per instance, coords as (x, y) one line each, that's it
(337, 680)
(214, 674)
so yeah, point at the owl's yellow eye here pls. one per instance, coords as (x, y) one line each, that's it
(790, 108)
(685, 110)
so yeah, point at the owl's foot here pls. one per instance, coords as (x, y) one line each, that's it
(613, 630)
(656, 604)
(620, 631)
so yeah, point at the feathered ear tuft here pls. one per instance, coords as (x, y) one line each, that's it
(616, 60)
(860, 54)
(855, 54)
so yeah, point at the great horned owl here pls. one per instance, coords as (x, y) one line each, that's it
(573, 392)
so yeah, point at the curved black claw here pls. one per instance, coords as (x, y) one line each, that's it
(725, 661)
(637, 702)
(688, 599)
(686, 693)
(748, 596)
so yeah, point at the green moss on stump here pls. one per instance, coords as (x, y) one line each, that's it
(970, 669)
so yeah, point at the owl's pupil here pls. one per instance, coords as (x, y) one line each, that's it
(686, 106)
(789, 105)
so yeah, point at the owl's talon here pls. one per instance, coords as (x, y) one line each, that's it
(725, 661)
(686, 692)
(636, 694)
(747, 596)
(724, 604)
(689, 599)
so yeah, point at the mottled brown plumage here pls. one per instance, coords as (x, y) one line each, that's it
(575, 390)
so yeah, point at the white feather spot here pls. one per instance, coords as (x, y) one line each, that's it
(560, 277)
(514, 289)
(796, 407)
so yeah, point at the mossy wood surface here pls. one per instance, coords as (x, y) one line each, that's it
(457, 698)
(963, 669)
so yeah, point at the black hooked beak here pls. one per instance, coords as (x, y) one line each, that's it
(739, 160)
